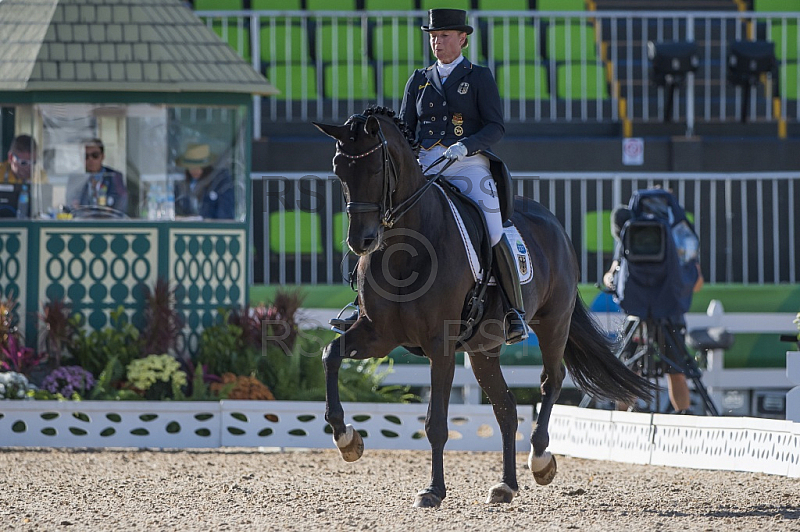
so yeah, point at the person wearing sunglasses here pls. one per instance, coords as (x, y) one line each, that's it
(21, 159)
(104, 186)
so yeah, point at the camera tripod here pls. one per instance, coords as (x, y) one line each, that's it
(644, 350)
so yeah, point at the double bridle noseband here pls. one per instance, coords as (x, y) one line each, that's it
(389, 213)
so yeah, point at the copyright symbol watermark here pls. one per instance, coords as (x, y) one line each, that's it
(411, 244)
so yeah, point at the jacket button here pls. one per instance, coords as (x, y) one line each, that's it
(430, 132)
(443, 133)
(433, 119)
(431, 104)
(444, 103)
(444, 118)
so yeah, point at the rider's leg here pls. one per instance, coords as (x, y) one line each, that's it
(473, 177)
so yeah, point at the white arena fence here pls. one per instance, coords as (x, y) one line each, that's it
(747, 222)
(589, 66)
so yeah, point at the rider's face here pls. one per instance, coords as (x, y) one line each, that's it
(447, 44)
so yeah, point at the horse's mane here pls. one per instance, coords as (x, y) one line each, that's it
(408, 133)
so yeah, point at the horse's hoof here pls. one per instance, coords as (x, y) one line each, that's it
(426, 499)
(500, 493)
(350, 444)
(543, 467)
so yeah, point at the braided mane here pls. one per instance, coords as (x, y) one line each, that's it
(408, 133)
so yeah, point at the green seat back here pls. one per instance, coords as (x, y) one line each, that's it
(784, 36)
(301, 232)
(776, 5)
(598, 221)
(283, 43)
(571, 41)
(344, 81)
(561, 5)
(522, 82)
(425, 5)
(295, 81)
(503, 5)
(276, 5)
(398, 42)
(237, 38)
(390, 5)
(512, 41)
(331, 5)
(789, 83)
(218, 5)
(340, 42)
(575, 81)
(339, 222)
(394, 78)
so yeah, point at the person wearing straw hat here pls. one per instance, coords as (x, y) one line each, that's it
(205, 191)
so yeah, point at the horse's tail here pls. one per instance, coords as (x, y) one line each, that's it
(594, 368)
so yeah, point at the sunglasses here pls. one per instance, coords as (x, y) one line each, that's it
(20, 161)
(94, 154)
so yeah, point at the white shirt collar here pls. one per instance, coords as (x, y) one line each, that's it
(446, 70)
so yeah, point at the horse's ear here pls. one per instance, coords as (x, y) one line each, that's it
(333, 131)
(372, 126)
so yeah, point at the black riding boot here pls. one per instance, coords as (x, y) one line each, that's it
(505, 269)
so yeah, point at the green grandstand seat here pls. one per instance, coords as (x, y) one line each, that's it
(575, 81)
(340, 41)
(561, 5)
(571, 41)
(276, 5)
(776, 5)
(522, 41)
(284, 42)
(390, 5)
(331, 5)
(218, 5)
(503, 5)
(236, 37)
(466, 5)
(789, 84)
(344, 81)
(295, 81)
(522, 82)
(402, 41)
(301, 232)
(339, 224)
(784, 36)
(593, 220)
(394, 78)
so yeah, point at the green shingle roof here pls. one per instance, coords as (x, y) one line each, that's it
(116, 45)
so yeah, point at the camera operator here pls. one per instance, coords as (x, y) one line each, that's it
(676, 379)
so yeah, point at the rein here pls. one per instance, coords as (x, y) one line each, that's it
(389, 213)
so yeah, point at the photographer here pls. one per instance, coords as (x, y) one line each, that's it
(664, 272)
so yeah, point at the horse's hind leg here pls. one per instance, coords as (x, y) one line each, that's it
(552, 340)
(486, 367)
(358, 343)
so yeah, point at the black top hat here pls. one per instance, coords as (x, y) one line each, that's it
(447, 19)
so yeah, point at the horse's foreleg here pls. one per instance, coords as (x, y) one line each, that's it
(353, 344)
(442, 370)
(540, 461)
(486, 368)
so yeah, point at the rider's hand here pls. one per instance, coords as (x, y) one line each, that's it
(456, 152)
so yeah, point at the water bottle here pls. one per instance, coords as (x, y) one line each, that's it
(169, 211)
(152, 203)
(23, 203)
(686, 242)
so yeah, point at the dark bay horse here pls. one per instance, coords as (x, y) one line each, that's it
(413, 279)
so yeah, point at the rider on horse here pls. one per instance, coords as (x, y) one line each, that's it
(454, 106)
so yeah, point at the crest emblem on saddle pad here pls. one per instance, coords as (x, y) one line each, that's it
(523, 264)
(463, 88)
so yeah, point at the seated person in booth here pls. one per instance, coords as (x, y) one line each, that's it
(104, 186)
(205, 190)
(15, 177)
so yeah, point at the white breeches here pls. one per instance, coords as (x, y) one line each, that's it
(472, 177)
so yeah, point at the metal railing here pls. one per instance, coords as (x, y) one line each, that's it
(551, 66)
(746, 222)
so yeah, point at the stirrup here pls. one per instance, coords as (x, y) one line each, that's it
(340, 324)
(514, 327)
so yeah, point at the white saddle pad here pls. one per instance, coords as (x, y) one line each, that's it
(524, 269)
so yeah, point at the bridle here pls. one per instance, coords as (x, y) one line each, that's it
(389, 213)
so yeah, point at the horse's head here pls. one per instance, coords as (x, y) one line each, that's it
(371, 150)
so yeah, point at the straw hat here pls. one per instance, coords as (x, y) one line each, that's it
(195, 156)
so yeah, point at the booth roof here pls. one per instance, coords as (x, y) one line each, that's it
(117, 45)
